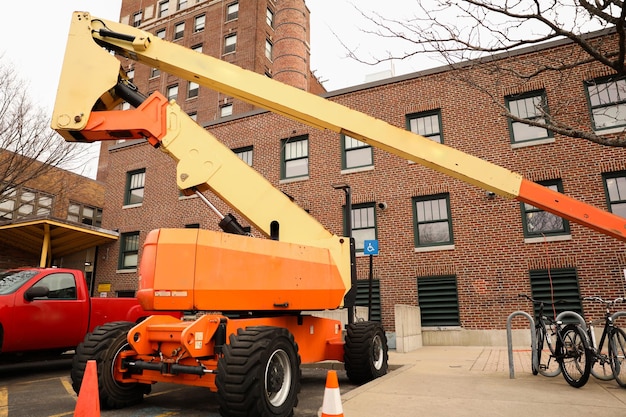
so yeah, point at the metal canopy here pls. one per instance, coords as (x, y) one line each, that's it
(53, 237)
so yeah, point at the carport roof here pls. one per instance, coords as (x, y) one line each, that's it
(51, 237)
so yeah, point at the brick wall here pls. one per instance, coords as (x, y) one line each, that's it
(490, 258)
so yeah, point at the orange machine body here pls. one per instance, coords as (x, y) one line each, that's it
(203, 270)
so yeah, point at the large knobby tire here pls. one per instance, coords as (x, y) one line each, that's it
(103, 345)
(575, 357)
(366, 353)
(617, 354)
(259, 373)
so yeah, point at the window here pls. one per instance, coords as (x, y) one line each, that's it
(533, 107)
(62, 286)
(363, 224)
(179, 30)
(197, 48)
(245, 154)
(194, 116)
(269, 18)
(130, 74)
(137, 19)
(355, 153)
(226, 110)
(295, 157)
(433, 223)
(135, 182)
(268, 49)
(172, 92)
(192, 89)
(155, 72)
(160, 34)
(427, 124)
(182, 4)
(164, 8)
(192, 226)
(84, 214)
(230, 43)
(607, 100)
(17, 203)
(438, 300)
(129, 250)
(539, 223)
(232, 11)
(615, 190)
(199, 22)
(556, 284)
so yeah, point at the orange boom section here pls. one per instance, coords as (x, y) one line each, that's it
(194, 269)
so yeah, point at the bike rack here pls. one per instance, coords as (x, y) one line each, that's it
(509, 340)
(618, 314)
(577, 316)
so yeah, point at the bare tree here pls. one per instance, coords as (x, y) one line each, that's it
(29, 148)
(468, 34)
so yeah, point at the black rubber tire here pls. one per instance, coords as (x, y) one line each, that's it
(617, 355)
(548, 365)
(259, 373)
(539, 332)
(601, 362)
(366, 353)
(574, 355)
(103, 345)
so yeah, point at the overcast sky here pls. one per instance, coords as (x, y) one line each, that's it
(34, 33)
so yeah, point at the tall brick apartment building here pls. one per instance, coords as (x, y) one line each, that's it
(461, 254)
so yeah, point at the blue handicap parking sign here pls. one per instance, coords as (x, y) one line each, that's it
(370, 247)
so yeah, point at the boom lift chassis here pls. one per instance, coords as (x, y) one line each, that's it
(251, 351)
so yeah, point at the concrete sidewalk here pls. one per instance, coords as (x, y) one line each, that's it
(474, 381)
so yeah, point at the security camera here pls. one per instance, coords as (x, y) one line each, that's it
(382, 206)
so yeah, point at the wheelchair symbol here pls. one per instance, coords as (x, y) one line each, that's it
(370, 247)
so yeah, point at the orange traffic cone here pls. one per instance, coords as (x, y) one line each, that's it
(88, 404)
(331, 407)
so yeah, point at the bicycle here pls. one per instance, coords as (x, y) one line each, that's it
(570, 355)
(608, 362)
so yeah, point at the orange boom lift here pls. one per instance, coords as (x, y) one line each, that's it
(251, 350)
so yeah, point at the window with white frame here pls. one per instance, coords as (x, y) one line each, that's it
(155, 72)
(269, 17)
(427, 124)
(135, 184)
(197, 48)
(137, 19)
(268, 49)
(164, 8)
(179, 30)
(182, 4)
(232, 11)
(172, 92)
(532, 106)
(160, 33)
(607, 102)
(230, 43)
(226, 110)
(192, 89)
(199, 23)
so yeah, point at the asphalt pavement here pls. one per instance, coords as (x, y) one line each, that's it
(452, 381)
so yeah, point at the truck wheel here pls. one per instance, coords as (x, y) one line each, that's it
(103, 345)
(365, 352)
(259, 373)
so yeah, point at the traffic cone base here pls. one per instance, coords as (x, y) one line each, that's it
(88, 403)
(331, 406)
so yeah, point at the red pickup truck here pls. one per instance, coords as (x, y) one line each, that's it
(49, 310)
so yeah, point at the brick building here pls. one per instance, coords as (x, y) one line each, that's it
(461, 254)
(54, 204)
